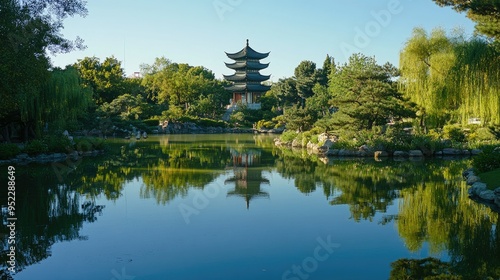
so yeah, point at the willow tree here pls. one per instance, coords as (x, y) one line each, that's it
(450, 78)
(425, 62)
(475, 79)
(63, 98)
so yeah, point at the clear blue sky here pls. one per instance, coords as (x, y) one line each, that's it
(199, 32)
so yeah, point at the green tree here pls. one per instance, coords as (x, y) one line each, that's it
(366, 94)
(183, 86)
(306, 77)
(28, 29)
(450, 78)
(125, 106)
(486, 14)
(64, 98)
(106, 79)
(298, 118)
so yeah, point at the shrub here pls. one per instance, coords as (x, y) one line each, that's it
(8, 150)
(487, 160)
(288, 136)
(263, 124)
(58, 144)
(35, 147)
(454, 133)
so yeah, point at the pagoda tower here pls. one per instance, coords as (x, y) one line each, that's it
(246, 81)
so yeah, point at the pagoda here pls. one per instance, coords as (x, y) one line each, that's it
(246, 81)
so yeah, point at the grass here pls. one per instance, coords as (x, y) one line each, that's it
(491, 178)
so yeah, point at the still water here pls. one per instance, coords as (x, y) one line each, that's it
(235, 207)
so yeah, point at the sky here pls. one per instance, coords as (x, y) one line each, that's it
(200, 32)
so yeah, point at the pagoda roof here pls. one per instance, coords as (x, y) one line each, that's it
(251, 65)
(247, 53)
(248, 87)
(242, 77)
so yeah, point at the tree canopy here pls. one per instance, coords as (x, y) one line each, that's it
(366, 95)
(486, 14)
(451, 78)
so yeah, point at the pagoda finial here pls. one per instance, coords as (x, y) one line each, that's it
(247, 42)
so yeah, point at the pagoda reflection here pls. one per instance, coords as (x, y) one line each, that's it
(247, 175)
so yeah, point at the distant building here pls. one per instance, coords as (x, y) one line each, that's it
(136, 75)
(246, 81)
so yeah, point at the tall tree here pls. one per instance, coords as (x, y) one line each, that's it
(451, 78)
(306, 77)
(366, 94)
(28, 29)
(486, 14)
(64, 98)
(106, 79)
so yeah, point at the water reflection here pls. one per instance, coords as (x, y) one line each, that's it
(434, 210)
(247, 176)
(47, 212)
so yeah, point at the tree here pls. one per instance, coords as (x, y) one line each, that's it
(106, 79)
(486, 14)
(328, 67)
(306, 77)
(64, 98)
(298, 118)
(451, 78)
(125, 106)
(184, 86)
(366, 94)
(28, 29)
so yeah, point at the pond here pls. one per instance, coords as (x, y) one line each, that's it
(236, 207)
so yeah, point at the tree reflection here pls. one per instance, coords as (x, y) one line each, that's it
(47, 212)
(471, 238)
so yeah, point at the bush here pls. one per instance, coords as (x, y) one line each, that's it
(487, 160)
(263, 124)
(35, 147)
(288, 136)
(454, 133)
(8, 150)
(58, 144)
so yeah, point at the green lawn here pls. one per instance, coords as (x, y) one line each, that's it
(491, 178)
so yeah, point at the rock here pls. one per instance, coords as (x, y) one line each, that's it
(333, 152)
(323, 137)
(364, 148)
(487, 195)
(451, 152)
(439, 153)
(22, 157)
(415, 153)
(477, 188)
(296, 143)
(471, 179)
(378, 154)
(400, 154)
(497, 191)
(322, 149)
(468, 172)
(346, 153)
(328, 143)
